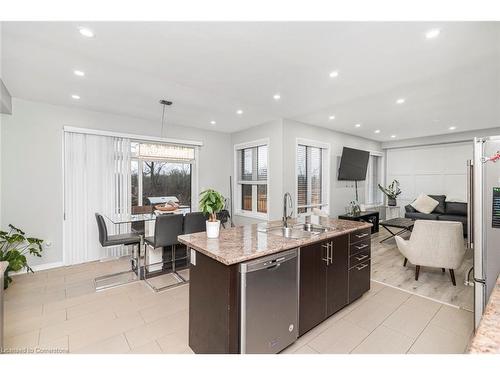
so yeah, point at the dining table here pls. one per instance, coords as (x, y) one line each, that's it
(118, 219)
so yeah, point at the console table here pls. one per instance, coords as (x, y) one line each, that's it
(365, 216)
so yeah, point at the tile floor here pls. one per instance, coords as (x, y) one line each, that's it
(59, 309)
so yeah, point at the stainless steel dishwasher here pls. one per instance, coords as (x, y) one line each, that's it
(269, 303)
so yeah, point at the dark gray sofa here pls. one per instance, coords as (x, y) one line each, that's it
(446, 211)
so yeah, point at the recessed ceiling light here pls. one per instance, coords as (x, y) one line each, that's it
(393, 136)
(86, 32)
(334, 74)
(377, 131)
(400, 100)
(452, 127)
(239, 112)
(331, 117)
(76, 97)
(357, 125)
(212, 122)
(79, 73)
(433, 33)
(276, 96)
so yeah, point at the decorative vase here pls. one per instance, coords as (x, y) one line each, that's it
(391, 202)
(213, 228)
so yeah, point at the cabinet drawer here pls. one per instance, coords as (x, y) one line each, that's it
(360, 257)
(360, 235)
(357, 247)
(359, 280)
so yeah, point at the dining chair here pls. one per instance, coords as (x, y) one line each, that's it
(194, 222)
(106, 240)
(167, 228)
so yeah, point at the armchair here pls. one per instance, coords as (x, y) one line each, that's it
(434, 244)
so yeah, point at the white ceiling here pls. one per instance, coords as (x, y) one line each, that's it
(211, 69)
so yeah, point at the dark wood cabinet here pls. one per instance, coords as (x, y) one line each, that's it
(323, 281)
(336, 275)
(359, 263)
(312, 291)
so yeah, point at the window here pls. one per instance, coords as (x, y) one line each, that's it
(373, 195)
(160, 170)
(252, 179)
(312, 177)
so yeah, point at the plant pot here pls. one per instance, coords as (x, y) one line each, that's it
(213, 228)
(392, 202)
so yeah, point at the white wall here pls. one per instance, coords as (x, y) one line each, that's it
(432, 169)
(341, 192)
(31, 168)
(274, 132)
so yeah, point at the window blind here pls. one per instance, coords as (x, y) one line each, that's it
(309, 177)
(253, 163)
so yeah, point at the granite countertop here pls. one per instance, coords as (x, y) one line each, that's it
(487, 337)
(239, 244)
(3, 266)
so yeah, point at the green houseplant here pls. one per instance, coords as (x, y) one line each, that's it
(211, 202)
(392, 191)
(14, 246)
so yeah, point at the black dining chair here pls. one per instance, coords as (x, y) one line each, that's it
(106, 240)
(194, 222)
(167, 228)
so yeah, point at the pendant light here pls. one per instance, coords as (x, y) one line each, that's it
(164, 103)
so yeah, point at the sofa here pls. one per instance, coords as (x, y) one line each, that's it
(445, 211)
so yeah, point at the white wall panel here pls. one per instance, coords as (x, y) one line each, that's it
(433, 169)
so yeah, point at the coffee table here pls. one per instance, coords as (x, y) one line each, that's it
(403, 223)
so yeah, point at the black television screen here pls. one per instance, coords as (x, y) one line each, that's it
(353, 164)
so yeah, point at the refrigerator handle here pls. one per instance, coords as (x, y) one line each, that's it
(470, 202)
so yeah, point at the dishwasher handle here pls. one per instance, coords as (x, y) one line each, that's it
(271, 262)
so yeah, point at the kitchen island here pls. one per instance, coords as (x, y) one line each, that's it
(333, 269)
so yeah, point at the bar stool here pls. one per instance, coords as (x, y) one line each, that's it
(194, 222)
(106, 240)
(167, 228)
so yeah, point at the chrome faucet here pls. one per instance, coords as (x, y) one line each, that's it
(286, 198)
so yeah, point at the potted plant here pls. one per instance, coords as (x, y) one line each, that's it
(392, 191)
(14, 246)
(211, 202)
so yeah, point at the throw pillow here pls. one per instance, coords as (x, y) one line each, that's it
(424, 204)
(441, 207)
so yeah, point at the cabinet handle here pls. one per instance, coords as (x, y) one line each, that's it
(361, 257)
(327, 247)
(361, 235)
(361, 247)
(363, 266)
(331, 252)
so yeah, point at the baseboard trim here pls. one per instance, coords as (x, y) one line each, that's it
(39, 267)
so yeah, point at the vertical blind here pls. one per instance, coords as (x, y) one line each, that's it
(97, 178)
(309, 177)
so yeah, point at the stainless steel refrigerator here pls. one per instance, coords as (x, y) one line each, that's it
(484, 218)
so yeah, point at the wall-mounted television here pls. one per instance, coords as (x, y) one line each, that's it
(353, 164)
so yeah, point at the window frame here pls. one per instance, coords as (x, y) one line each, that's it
(238, 182)
(194, 172)
(325, 175)
(381, 179)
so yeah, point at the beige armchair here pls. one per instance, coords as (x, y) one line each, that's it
(434, 244)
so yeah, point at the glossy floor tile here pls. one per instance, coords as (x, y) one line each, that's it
(58, 310)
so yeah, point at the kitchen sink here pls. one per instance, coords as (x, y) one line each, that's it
(289, 232)
(296, 231)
